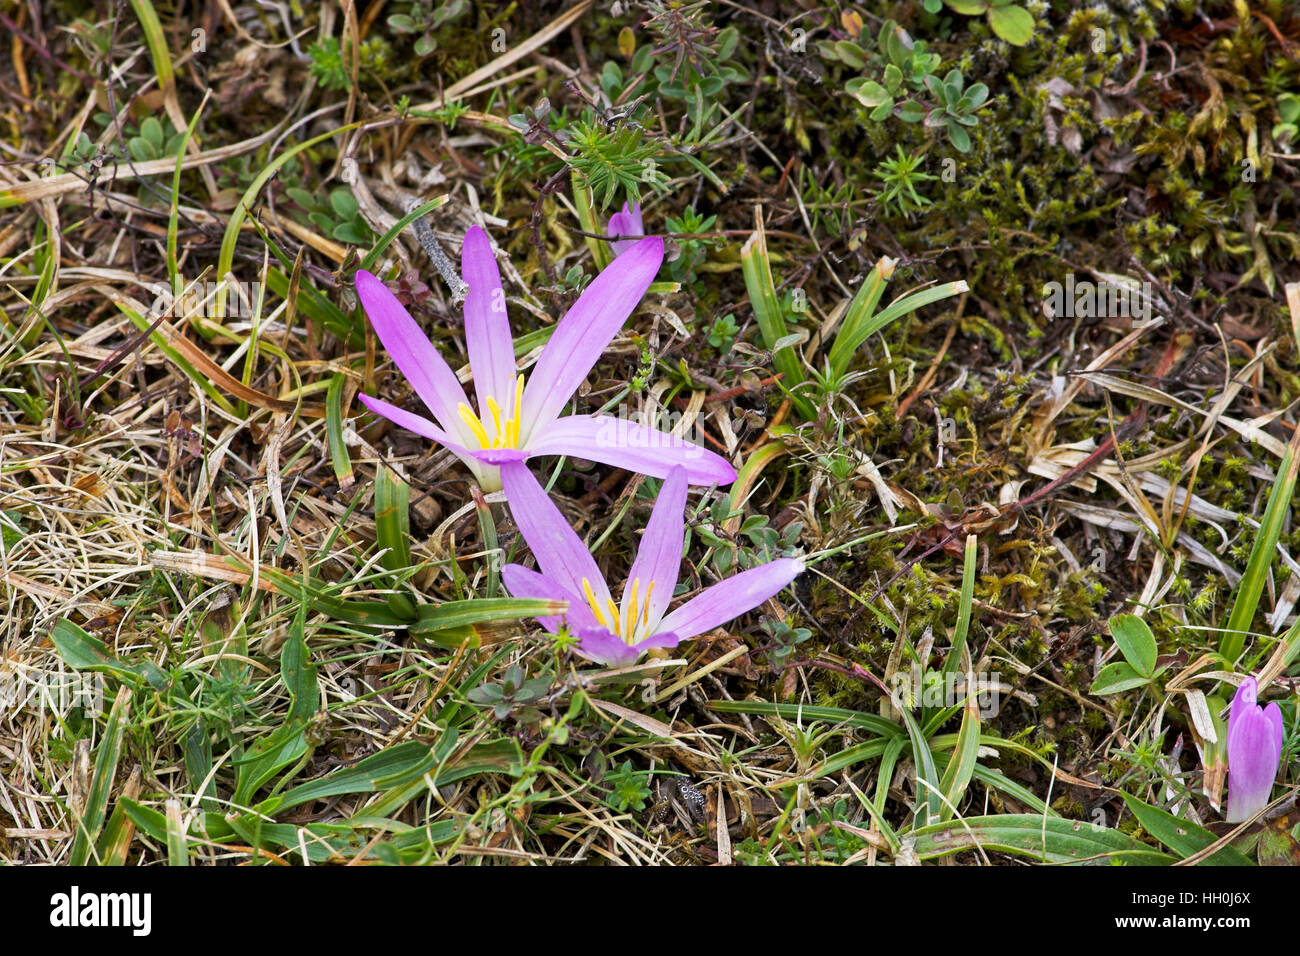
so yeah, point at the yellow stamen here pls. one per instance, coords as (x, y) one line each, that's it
(505, 430)
(468, 417)
(595, 605)
(614, 616)
(632, 610)
(517, 412)
(645, 608)
(495, 409)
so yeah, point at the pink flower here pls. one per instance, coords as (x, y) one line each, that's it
(516, 421)
(618, 634)
(1254, 750)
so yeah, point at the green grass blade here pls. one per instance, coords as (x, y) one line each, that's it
(846, 344)
(478, 621)
(178, 846)
(757, 269)
(1182, 836)
(961, 765)
(393, 533)
(928, 805)
(226, 257)
(156, 39)
(173, 217)
(1045, 839)
(601, 254)
(339, 456)
(92, 816)
(952, 662)
(1271, 527)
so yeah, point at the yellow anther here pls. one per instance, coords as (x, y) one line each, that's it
(517, 412)
(495, 409)
(645, 608)
(468, 417)
(632, 610)
(594, 604)
(506, 431)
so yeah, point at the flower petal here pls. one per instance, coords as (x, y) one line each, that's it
(719, 603)
(1254, 751)
(425, 428)
(627, 223)
(604, 647)
(413, 353)
(659, 557)
(630, 445)
(589, 326)
(500, 456)
(487, 330)
(523, 582)
(559, 551)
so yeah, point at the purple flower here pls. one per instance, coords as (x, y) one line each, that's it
(617, 634)
(515, 422)
(626, 223)
(1254, 749)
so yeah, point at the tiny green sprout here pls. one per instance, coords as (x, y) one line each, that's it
(690, 252)
(615, 162)
(786, 640)
(954, 107)
(627, 788)
(1204, 599)
(563, 639)
(901, 174)
(575, 279)
(337, 215)
(153, 141)
(513, 695)
(723, 333)
(1288, 111)
(327, 64)
(645, 368)
(829, 383)
(425, 20)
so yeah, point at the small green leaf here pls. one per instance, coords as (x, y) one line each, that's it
(1136, 642)
(1115, 678)
(344, 203)
(152, 130)
(851, 54)
(1013, 24)
(911, 112)
(871, 93)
